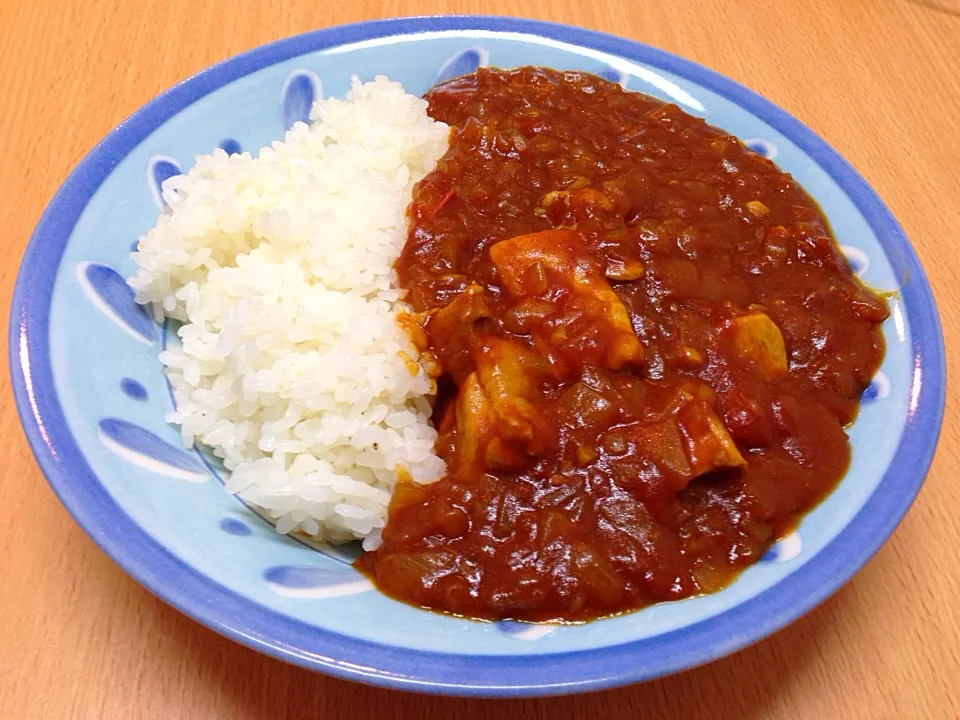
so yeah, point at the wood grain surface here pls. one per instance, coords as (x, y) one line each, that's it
(879, 79)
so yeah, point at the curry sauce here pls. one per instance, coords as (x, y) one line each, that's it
(646, 343)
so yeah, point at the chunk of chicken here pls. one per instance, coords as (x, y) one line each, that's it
(479, 446)
(709, 445)
(757, 338)
(589, 323)
(476, 426)
(453, 328)
(511, 376)
(690, 442)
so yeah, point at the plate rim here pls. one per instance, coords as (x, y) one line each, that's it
(273, 633)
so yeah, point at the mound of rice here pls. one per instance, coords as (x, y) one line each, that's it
(292, 366)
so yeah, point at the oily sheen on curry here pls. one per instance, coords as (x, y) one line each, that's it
(647, 346)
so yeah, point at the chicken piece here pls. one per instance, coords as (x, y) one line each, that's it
(757, 338)
(478, 445)
(502, 455)
(589, 323)
(452, 329)
(511, 376)
(476, 426)
(690, 442)
(709, 445)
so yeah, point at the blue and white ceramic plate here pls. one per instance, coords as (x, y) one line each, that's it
(92, 396)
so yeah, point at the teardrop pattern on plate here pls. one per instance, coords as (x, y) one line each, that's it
(762, 147)
(231, 146)
(858, 259)
(160, 168)
(144, 449)
(878, 389)
(526, 631)
(465, 61)
(615, 76)
(133, 390)
(309, 581)
(235, 527)
(786, 548)
(111, 295)
(301, 90)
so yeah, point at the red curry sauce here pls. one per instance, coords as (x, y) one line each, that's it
(647, 345)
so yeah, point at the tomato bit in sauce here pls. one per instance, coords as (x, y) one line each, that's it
(647, 343)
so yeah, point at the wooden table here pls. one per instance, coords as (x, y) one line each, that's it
(877, 78)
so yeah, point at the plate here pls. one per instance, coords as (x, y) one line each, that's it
(92, 396)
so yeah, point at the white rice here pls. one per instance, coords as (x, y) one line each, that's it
(292, 366)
